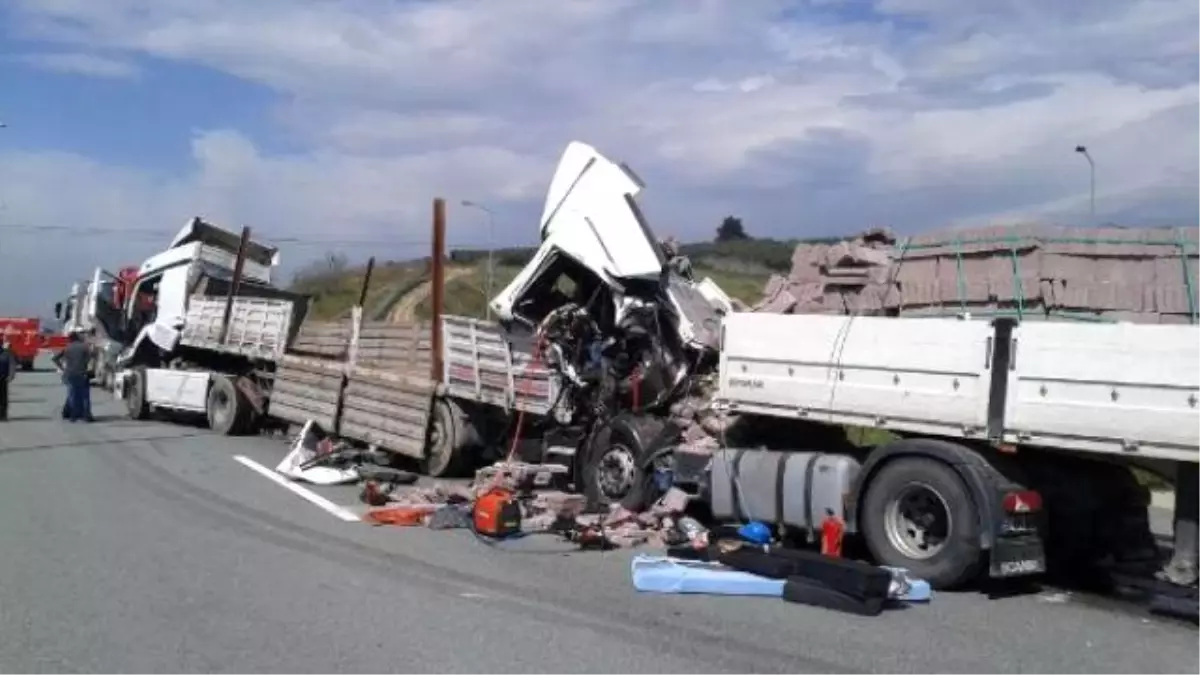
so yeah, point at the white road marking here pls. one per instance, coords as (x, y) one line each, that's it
(328, 506)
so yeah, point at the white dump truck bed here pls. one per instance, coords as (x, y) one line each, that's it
(258, 327)
(1115, 388)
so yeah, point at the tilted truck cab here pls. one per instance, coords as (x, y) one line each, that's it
(191, 343)
(201, 253)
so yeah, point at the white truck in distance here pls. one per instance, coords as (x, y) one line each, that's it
(180, 352)
(94, 309)
(1014, 442)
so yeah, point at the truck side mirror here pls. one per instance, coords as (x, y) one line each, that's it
(58, 310)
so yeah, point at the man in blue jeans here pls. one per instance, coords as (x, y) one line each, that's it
(72, 362)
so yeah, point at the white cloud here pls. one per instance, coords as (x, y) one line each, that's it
(90, 65)
(804, 117)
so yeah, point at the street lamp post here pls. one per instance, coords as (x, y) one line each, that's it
(1081, 149)
(491, 269)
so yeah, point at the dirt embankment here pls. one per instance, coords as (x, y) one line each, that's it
(405, 309)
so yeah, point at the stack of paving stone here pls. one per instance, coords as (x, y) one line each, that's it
(1145, 275)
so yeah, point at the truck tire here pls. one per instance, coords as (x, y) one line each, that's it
(227, 407)
(135, 395)
(448, 440)
(611, 468)
(919, 515)
(27, 365)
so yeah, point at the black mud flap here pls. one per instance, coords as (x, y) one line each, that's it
(1017, 557)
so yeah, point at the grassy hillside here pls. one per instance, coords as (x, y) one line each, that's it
(335, 290)
(739, 267)
(467, 295)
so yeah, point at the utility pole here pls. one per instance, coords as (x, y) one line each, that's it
(491, 267)
(235, 284)
(438, 281)
(366, 283)
(1082, 149)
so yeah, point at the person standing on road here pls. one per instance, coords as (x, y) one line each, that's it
(8, 370)
(72, 362)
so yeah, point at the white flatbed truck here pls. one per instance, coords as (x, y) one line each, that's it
(1010, 436)
(1013, 442)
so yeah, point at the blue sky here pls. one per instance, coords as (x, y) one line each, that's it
(144, 116)
(336, 122)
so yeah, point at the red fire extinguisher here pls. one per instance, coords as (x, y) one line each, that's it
(833, 529)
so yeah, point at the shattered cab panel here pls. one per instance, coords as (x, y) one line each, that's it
(590, 219)
(698, 318)
(552, 280)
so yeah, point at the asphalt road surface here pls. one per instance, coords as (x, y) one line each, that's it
(145, 547)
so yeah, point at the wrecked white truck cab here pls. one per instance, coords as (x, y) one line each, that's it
(619, 332)
(596, 246)
(591, 221)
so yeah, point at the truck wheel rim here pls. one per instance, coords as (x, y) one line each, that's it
(615, 471)
(436, 434)
(221, 407)
(437, 437)
(918, 521)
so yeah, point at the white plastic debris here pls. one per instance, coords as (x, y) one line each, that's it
(304, 450)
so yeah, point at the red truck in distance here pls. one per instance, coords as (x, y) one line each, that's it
(26, 339)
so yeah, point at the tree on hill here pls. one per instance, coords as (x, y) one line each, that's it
(731, 229)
